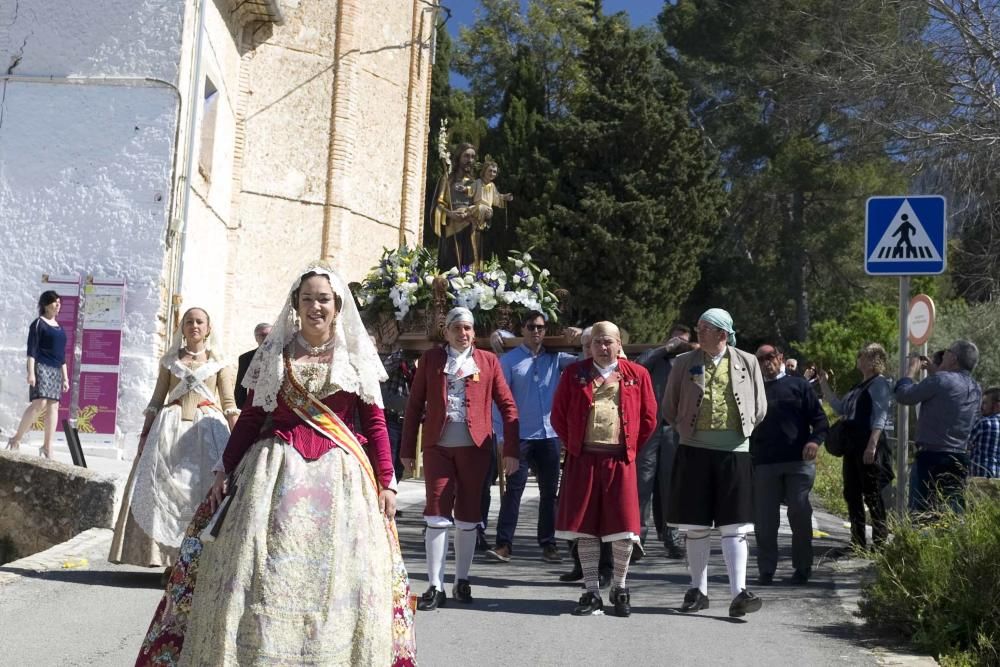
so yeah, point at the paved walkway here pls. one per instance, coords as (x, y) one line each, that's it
(69, 606)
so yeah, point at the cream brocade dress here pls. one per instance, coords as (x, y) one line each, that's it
(174, 472)
(298, 572)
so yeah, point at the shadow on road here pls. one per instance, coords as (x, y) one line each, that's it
(124, 579)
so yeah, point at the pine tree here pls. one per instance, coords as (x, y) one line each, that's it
(636, 200)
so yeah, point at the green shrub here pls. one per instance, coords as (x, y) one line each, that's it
(938, 585)
(828, 489)
(834, 344)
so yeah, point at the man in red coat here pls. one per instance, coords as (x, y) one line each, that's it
(453, 393)
(604, 410)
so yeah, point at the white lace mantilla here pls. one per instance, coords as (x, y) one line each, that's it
(354, 367)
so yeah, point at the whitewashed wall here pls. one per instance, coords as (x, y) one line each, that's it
(85, 170)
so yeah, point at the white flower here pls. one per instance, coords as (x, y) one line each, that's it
(487, 301)
(429, 280)
(453, 271)
(529, 279)
(517, 278)
(507, 296)
(526, 257)
(545, 273)
(518, 263)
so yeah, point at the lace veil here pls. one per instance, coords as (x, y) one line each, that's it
(354, 366)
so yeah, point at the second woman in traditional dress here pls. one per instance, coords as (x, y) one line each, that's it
(186, 429)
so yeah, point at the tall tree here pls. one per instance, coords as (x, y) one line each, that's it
(935, 86)
(636, 200)
(798, 164)
(553, 32)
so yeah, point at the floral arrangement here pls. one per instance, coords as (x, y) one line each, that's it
(403, 280)
(517, 282)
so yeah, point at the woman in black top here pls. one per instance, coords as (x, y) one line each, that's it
(867, 467)
(47, 376)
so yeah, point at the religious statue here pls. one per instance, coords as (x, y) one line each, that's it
(453, 218)
(484, 198)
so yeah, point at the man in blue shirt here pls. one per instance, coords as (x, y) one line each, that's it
(949, 406)
(532, 373)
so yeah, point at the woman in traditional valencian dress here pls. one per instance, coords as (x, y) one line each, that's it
(305, 569)
(184, 435)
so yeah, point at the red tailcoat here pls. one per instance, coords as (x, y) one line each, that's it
(599, 494)
(575, 395)
(428, 402)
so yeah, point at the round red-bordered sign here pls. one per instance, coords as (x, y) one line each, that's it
(920, 321)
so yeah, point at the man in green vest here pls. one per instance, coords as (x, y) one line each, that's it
(714, 400)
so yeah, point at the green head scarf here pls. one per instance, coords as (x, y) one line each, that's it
(717, 317)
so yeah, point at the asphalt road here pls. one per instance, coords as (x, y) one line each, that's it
(95, 613)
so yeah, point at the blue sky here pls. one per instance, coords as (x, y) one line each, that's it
(463, 13)
(639, 11)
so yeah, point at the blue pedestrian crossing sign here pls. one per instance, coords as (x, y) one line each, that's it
(905, 236)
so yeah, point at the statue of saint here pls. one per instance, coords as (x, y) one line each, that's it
(453, 218)
(484, 198)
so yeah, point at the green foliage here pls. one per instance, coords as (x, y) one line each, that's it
(937, 584)
(828, 487)
(834, 344)
(799, 162)
(636, 199)
(978, 322)
(553, 32)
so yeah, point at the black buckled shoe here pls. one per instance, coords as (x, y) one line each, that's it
(620, 597)
(744, 603)
(576, 574)
(431, 599)
(588, 604)
(462, 591)
(694, 600)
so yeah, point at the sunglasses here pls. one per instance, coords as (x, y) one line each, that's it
(768, 357)
(535, 327)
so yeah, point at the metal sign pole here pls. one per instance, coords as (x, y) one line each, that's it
(902, 411)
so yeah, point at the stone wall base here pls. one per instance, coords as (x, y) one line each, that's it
(44, 503)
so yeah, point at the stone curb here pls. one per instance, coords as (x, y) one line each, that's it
(862, 571)
(75, 553)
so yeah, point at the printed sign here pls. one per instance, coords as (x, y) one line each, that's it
(100, 359)
(920, 321)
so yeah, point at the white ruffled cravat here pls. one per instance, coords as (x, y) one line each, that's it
(460, 363)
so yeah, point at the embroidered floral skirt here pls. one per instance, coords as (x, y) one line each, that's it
(303, 572)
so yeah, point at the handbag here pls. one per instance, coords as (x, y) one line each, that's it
(836, 442)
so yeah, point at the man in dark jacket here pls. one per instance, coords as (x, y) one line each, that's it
(260, 332)
(656, 460)
(783, 448)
